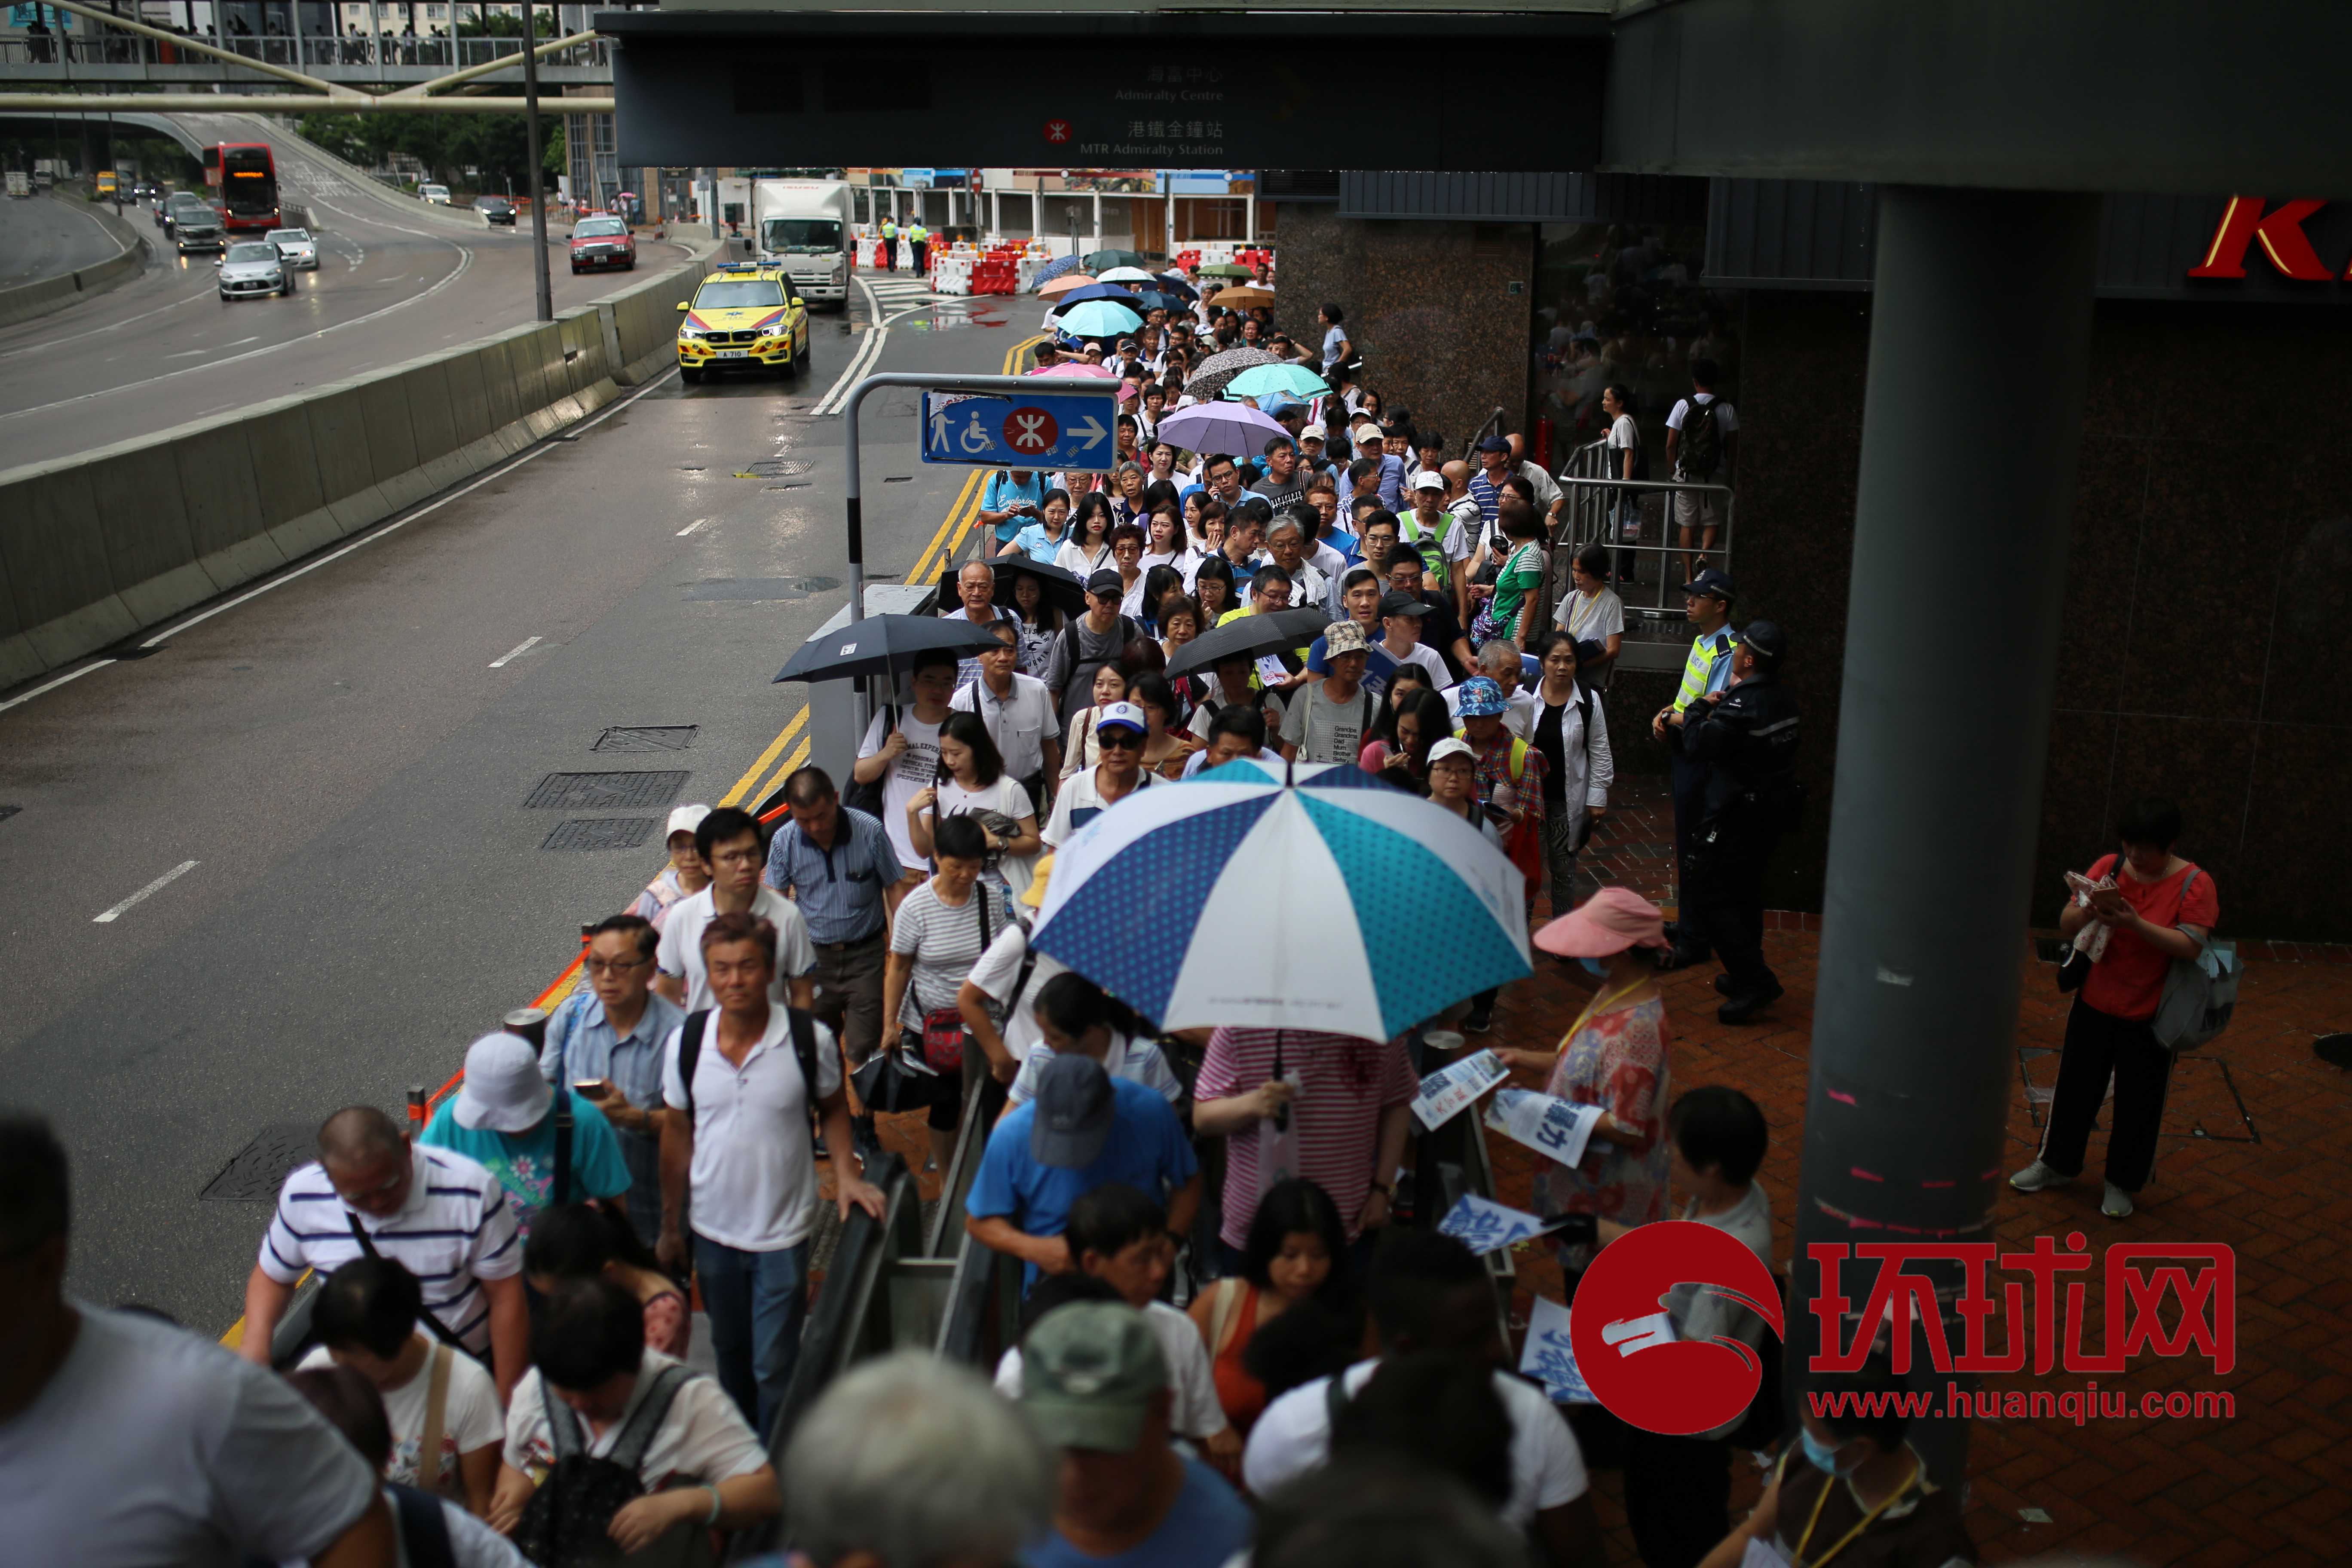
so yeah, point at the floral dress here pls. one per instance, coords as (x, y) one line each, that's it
(1616, 1060)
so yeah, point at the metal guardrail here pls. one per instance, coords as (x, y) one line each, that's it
(1492, 427)
(344, 49)
(1598, 511)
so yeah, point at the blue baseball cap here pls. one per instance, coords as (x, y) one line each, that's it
(1479, 697)
(1713, 584)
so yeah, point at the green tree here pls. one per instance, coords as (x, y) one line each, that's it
(552, 163)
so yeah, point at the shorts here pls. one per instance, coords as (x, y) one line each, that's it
(1693, 509)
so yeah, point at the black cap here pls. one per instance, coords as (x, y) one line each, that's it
(1105, 581)
(1766, 637)
(1713, 584)
(1402, 605)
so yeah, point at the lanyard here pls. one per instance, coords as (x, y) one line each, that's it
(1601, 1004)
(1885, 1503)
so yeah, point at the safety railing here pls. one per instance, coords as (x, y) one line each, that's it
(1492, 426)
(1637, 520)
(284, 50)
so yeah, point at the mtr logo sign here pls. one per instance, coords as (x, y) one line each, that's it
(2279, 232)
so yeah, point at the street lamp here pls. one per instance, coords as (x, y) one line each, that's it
(546, 290)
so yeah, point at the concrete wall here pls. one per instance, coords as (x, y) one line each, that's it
(102, 545)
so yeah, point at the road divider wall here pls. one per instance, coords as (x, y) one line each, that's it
(100, 546)
(43, 294)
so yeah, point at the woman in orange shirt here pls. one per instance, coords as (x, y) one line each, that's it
(1296, 1245)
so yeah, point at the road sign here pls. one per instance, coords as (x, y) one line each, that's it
(1046, 430)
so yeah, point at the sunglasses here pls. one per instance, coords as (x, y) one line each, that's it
(1118, 741)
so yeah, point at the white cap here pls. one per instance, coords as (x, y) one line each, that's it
(503, 1091)
(685, 819)
(1429, 479)
(1124, 713)
(1452, 746)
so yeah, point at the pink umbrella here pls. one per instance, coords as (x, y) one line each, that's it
(1077, 369)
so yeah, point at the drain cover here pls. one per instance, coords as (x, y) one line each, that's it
(777, 467)
(574, 792)
(255, 1172)
(646, 738)
(601, 833)
(760, 588)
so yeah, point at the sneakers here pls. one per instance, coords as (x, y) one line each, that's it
(2116, 1203)
(2036, 1177)
(1742, 1009)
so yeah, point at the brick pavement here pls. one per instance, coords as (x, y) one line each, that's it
(2268, 1485)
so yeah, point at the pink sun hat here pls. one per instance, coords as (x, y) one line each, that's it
(1610, 921)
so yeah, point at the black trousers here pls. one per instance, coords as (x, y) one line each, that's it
(1723, 902)
(2098, 1045)
(1690, 792)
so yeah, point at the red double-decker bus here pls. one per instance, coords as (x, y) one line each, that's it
(244, 180)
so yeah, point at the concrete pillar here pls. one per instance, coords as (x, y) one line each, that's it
(1097, 231)
(1980, 326)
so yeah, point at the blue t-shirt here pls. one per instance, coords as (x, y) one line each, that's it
(1147, 1150)
(1039, 545)
(1205, 1528)
(1004, 492)
(524, 1163)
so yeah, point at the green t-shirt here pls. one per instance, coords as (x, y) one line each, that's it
(1521, 577)
(524, 1163)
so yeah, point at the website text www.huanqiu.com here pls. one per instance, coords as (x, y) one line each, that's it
(2080, 1405)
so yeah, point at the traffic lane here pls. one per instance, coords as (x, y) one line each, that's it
(349, 774)
(46, 237)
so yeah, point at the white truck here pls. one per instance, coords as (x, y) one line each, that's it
(804, 228)
(19, 182)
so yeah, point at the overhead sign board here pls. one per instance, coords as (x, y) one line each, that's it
(1047, 430)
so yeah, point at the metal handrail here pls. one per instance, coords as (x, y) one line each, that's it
(1494, 423)
(1593, 514)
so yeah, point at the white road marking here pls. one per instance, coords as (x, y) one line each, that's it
(188, 353)
(242, 342)
(515, 652)
(149, 891)
(859, 362)
(307, 567)
(691, 526)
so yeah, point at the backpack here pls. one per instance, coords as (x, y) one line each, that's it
(1430, 547)
(424, 1531)
(1700, 451)
(868, 796)
(567, 1517)
(1071, 664)
(689, 1052)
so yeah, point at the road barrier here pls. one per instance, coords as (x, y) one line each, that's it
(43, 294)
(102, 545)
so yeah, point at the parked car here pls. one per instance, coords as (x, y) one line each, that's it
(434, 195)
(602, 242)
(254, 267)
(296, 247)
(496, 210)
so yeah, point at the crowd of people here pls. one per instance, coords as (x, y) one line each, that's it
(1236, 1333)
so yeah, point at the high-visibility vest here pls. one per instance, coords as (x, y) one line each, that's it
(918, 233)
(1698, 666)
(889, 229)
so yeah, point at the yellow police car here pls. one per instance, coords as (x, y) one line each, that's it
(744, 315)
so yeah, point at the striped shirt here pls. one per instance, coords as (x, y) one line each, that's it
(455, 1230)
(1345, 1085)
(839, 890)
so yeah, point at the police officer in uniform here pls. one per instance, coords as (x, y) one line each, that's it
(1706, 669)
(1745, 742)
(921, 237)
(890, 241)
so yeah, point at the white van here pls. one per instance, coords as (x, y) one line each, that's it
(804, 227)
(434, 196)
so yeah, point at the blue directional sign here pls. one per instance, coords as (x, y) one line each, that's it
(1048, 430)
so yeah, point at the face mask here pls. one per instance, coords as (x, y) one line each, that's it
(1593, 966)
(1824, 1457)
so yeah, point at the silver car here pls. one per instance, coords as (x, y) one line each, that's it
(296, 247)
(254, 267)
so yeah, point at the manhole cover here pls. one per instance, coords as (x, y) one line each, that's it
(574, 792)
(646, 738)
(255, 1172)
(601, 833)
(760, 588)
(778, 468)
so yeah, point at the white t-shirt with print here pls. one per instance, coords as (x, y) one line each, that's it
(1127, 1057)
(1294, 1436)
(1195, 1412)
(916, 769)
(470, 1417)
(703, 1439)
(679, 953)
(472, 1543)
(1007, 798)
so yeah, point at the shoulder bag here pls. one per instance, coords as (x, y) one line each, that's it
(2199, 992)
(944, 1035)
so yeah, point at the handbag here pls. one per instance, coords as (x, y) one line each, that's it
(2199, 992)
(944, 1035)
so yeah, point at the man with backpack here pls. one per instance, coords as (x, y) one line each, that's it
(609, 1444)
(741, 1081)
(1702, 441)
(1090, 641)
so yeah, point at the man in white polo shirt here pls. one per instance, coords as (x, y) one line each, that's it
(440, 1214)
(729, 842)
(1019, 712)
(737, 1083)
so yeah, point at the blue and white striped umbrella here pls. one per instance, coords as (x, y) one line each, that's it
(1334, 902)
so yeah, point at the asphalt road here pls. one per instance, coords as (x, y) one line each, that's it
(394, 281)
(345, 760)
(43, 235)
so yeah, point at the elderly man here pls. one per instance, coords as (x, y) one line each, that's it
(440, 1214)
(1087, 643)
(976, 603)
(1118, 736)
(1499, 662)
(513, 1123)
(1329, 720)
(1285, 546)
(1019, 713)
(908, 1461)
(605, 1041)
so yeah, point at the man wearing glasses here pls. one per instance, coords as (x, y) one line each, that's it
(605, 1042)
(730, 844)
(1119, 734)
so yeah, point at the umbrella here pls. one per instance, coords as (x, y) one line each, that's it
(1324, 848)
(1097, 289)
(1246, 637)
(1225, 270)
(1209, 377)
(878, 644)
(1244, 298)
(1263, 381)
(1098, 261)
(1214, 428)
(1077, 369)
(1178, 284)
(1100, 318)
(1058, 589)
(1061, 265)
(1153, 299)
(1126, 275)
(1054, 287)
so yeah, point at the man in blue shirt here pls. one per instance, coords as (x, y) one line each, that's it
(1010, 502)
(1085, 1128)
(605, 1041)
(1094, 1382)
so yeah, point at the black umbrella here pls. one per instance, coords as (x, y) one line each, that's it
(1246, 637)
(1060, 589)
(882, 644)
